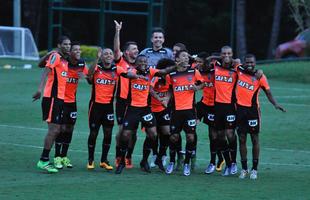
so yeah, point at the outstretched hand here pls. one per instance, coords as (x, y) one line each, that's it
(118, 25)
(99, 53)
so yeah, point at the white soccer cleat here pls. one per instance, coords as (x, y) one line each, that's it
(234, 168)
(187, 170)
(253, 174)
(210, 169)
(243, 174)
(164, 159)
(227, 171)
(170, 168)
(152, 163)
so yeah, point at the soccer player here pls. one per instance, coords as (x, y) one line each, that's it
(76, 69)
(178, 47)
(184, 82)
(160, 98)
(248, 111)
(125, 60)
(53, 97)
(139, 111)
(225, 113)
(103, 76)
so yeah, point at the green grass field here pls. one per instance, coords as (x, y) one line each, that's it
(284, 169)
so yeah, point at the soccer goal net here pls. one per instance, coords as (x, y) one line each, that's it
(17, 42)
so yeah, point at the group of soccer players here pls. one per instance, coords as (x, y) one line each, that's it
(157, 88)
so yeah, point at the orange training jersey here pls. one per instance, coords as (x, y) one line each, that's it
(123, 83)
(104, 83)
(161, 87)
(248, 88)
(73, 80)
(56, 79)
(181, 83)
(139, 89)
(208, 94)
(225, 80)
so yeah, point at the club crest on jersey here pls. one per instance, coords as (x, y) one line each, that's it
(245, 85)
(175, 80)
(113, 74)
(189, 78)
(227, 79)
(230, 73)
(253, 79)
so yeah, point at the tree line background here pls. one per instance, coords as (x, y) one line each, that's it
(203, 25)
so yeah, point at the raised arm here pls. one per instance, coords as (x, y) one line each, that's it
(92, 68)
(116, 46)
(273, 101)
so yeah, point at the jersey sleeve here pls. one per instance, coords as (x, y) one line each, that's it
(53, 60)
(120, 71)
(264, 83)
(153, 72)
(198, 76)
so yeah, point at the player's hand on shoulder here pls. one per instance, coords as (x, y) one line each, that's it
(259, 73)
(36, 96)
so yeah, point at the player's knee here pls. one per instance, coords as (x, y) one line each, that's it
(190, 137)
(174, 137)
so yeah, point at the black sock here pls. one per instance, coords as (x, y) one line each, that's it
(106, 143)
(219, 155)
(45, 155)
(64, 149)
(155, 146)
(67, 137)
(233, 150)
(189, 151)
(255, 164)
(225, 151)
(129, 153)
(244, 164)
(212, 151)
(164, 142)
(146, 149)
(173, 151)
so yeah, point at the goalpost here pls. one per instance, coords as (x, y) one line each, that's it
(17, 42)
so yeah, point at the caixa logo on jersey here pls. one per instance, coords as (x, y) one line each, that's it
(148, 117)
(73, 115)
(253, 123)
(191, 122)
(105, 81)
(140, 87)
(227, 79)
(231, 118)
(64, 74)
(110, 117)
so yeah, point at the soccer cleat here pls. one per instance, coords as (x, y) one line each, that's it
(227, 171)
(153, 159)
(66, 162)
(243, 174)
(117, 161)
(234, 168)
(46, 166)
(164, 159)
(219, 165)
(180, 162)
(120, 168)
(160, 165)
(193, 162)
(170, 168)
(58, 162)
(210, 169)
(91, 165)
(128, 163)
(106, 165)
(144, 165)
(186, 170)
(253, 174)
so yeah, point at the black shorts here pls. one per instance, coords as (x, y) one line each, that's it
(70, 113)
(183, 120)
(100, 114)
(120, 108)
(52, 110)
(248, 119)
(225, 116)
(134, 115)
(205, 113)
(163, 117)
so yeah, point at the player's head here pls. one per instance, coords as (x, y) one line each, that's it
(200, 59)
(164, 63)
(107, 56)
(249, 62)
(131, 50)
(75, 51)
(182, 59)
(226, 55)
(178, 47)
(158, 38)
(141, 63)
(64, 44)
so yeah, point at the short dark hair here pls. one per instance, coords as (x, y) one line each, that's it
(203, 55)
(62, 38)
(158, 30)
(225, 47)
(179, 52)
(249, 55)
(181, 45)
(140, 56)
(164, 63)
(75, 43)
(215, 54)
(127, 45)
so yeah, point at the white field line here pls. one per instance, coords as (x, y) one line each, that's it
(204, 143)
(137, 155)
